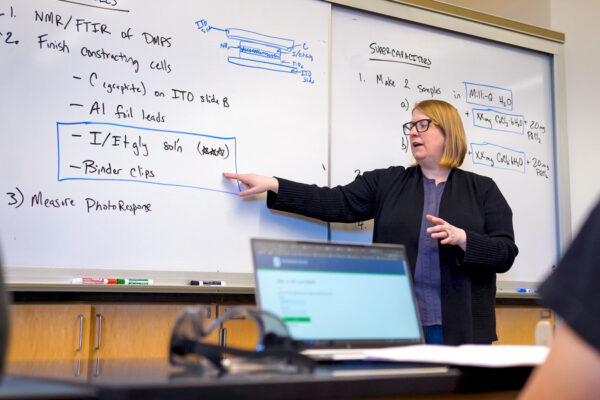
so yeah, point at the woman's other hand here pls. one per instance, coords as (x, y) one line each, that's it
(449, 234)
(254, 183)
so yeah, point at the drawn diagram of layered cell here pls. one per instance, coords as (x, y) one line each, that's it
(257, 50)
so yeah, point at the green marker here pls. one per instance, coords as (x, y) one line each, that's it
(141, 282)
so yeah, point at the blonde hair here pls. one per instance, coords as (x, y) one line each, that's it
(447, 117)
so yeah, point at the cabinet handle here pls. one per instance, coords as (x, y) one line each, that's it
(99, 343)
(80, 333)
(78, 368)
(223, 336)
(208, 312)
(97, 369)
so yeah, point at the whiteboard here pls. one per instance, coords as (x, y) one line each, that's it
(119, 116)
(381, 67)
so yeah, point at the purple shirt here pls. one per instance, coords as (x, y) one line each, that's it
(427, 271)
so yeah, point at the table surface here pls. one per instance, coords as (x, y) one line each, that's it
(156, 379)
(18, 387)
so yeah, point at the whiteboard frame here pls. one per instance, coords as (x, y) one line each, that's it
(462, 21)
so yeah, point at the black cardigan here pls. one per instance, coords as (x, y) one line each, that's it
(394, 198)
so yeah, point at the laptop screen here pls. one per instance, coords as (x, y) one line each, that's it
(338, 295)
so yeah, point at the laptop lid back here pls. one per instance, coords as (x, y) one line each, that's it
(335, 295)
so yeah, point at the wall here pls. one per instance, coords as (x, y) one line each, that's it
(532, 12)
(577, 19)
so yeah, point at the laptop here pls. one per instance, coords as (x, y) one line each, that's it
(338, 299)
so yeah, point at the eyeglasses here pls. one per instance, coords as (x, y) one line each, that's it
(421, 125)
(270, 345)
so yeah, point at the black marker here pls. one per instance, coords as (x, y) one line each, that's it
(207, 283)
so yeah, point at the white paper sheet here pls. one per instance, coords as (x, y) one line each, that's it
(466, 355)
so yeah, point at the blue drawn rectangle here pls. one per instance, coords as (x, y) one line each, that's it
(259, 51)
(247, 62)
(494, 120)
(255, 37)
(100, 151)
(488, 96)
(499, 157)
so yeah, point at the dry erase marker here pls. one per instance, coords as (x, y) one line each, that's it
(212, 283)
(141, 282)
(523, 290)
(94, 281)
(207, 283)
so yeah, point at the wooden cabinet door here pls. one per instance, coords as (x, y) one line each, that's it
(49, 332)
(516, 324)
(137, 330)
(239, 333)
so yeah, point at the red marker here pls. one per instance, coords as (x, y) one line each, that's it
(94, 281)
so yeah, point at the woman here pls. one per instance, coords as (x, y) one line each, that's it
(456, 225)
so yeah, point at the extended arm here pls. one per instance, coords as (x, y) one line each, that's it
(349, 203)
